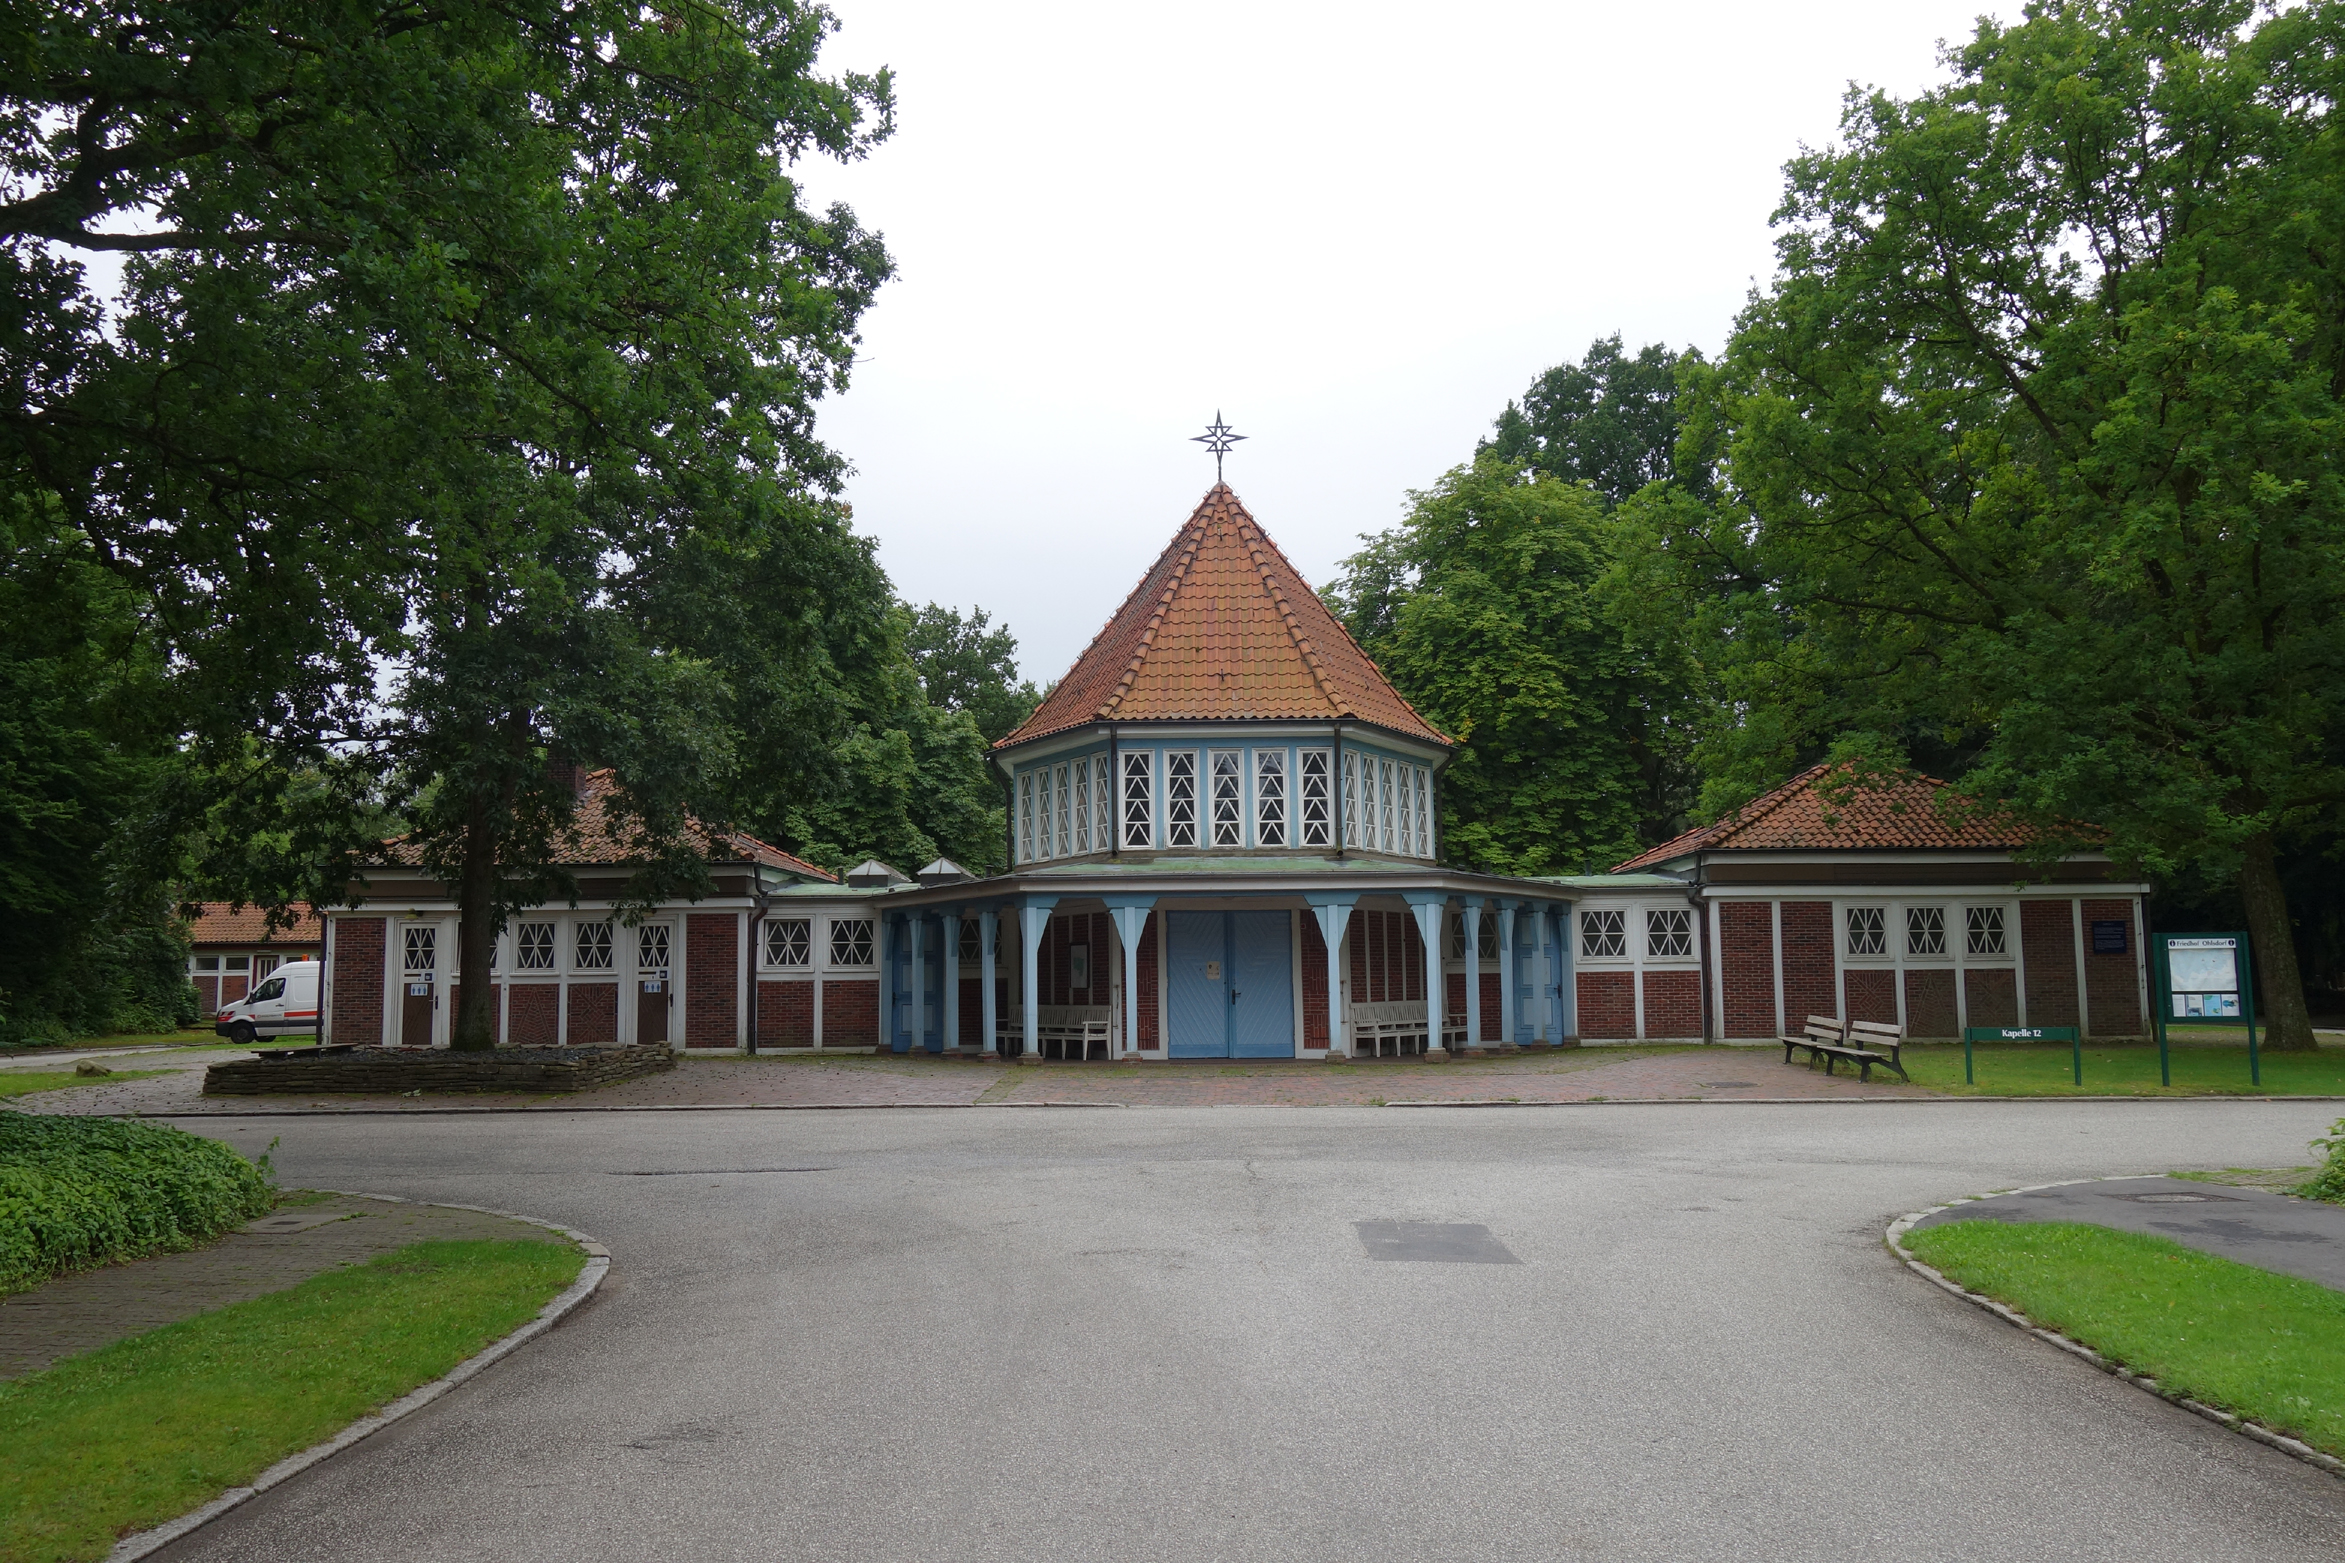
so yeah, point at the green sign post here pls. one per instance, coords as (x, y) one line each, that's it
(2067, 1034)
(2203, 980)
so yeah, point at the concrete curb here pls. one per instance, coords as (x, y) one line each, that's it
(1894, 1237)
(598, 1264)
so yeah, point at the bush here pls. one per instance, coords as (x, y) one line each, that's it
(2329, 1182)
(76, 1192)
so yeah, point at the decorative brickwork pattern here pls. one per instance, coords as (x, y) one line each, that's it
(1929, 1003)
(535, 1013)
(594, 1014)
(972, 1027)
(850, 1012)
(1092, 930)
(1993, 996)
(2047, 942)
(358, 981)
(1608, 1005)
(1809, 987)
(1492, 1029)
(1673, 1004)
(1746, 962)
(785, 1015)
(2112, 991)
(1314, 982)
(1872, 995)
(1151, 1034)
(712, 979)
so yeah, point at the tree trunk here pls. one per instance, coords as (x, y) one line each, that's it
(476, 929)
(2281, 1008)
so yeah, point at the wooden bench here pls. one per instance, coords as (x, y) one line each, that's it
(1823, 1032)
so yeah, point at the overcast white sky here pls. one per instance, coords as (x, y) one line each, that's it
(1356, 230)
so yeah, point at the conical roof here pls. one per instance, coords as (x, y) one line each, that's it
(1222, 628)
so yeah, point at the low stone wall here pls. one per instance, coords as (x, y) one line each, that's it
(389, 1072)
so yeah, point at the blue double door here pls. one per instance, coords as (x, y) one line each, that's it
(1230, 984)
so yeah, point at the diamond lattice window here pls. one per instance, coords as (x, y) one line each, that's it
(851, 941)
(1984, 930)
(1603, 934)
(789, 942)
(1082, 806)
(1669, 933)
(593, 948)
(1138, 796)
(1316, 824)
(1868, 931)
(423, 950)
(1925, 930)
(1229, 804)
(534, 946)
(1270, 797)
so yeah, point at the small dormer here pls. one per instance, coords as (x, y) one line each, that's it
(872, 874)
(1223, 712)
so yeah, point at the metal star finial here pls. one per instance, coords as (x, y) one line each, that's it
(1218, 439)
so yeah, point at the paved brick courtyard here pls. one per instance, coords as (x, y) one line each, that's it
(1566, 1075)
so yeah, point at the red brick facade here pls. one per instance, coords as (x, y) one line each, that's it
(1929, 1003)
(1314, 981)
(850, 1013)
(785, 1014)
(358, 982)
(2047, 942)
(1746, 965)
(1093, 930)
(712, 979)
(1809, 984)
(533, 1012)
(1872, 994)
(1993, 995)
(1673, 1004)
(2112, 983)
(1608, 1004)
(594, 1014)
(1387, 958)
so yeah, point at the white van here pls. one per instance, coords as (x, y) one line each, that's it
(285, 1003)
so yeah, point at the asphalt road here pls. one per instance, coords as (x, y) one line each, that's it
(1157, 1334)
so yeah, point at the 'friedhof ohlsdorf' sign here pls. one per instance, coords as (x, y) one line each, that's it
(2204, 979)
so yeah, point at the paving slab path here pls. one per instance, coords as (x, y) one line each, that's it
(894, 1080)
(2301, 1237)
(81, 1312)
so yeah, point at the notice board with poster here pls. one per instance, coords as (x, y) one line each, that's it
(2204, 979)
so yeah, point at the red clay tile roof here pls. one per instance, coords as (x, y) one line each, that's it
(1905, 813)
(217, 923)
(594, 839)
(1222, 628)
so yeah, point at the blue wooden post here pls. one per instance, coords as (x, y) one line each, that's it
(1131, 919)
(1033, 923)
(1470, 922)
(1427, 906)
(988, 1003)
(1334, 911)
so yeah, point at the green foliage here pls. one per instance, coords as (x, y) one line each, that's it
(1494, 610)
(964, 666)
(2263, 1346)
(76, 1192)
(2329, 1182)
(1609, 421)
(2026, 459)
(131, 1435)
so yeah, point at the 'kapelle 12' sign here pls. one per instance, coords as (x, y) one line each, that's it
(2203, 977)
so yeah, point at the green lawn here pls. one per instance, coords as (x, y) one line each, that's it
(2201, 1067)
(2259, 1345)
(26, 1081)
(144, 1430)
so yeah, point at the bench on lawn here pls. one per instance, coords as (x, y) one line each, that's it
(1863, 1043)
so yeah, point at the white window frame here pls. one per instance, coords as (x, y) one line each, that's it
(1026, 816)
(548, 946)
(834, 928)
(1066, 813)
(1681, 924)
(1082, 808)
(1384, 806)
(1919, 923)
(1600, 928)
(1351, 799)
(1424, 811)
(1314, 799)
(1972, 917)
(1103, 814)
(1875, 921)
(416, 939)
(1405, 842)
(1230, 832)
(779, 945)
(1044, 831)
(583, 942)
(1270, 798)
(1139, 805)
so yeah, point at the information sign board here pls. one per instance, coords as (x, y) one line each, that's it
(2204, 979)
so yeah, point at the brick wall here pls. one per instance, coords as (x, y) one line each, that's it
(785, 1014)
(535, 1014)
(1453, 995)
(1929, 1003)
(1492, 1030)
(1746, 964)
(1150, 1032)
(2112, 992)
(1994, 996)
(594, 1014)
(2047, 942)
(1314, 981)
(1608, 1005)
(358, 981)
(1091, 929)
(712, 979)
(207, 997)
(234, 986)
(972, 1032)
(850, 1012)
(1872, 995)
(1673, 1003)
(1808, 985)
